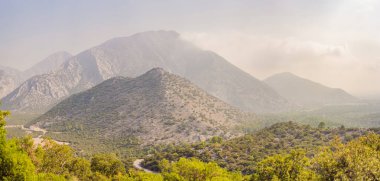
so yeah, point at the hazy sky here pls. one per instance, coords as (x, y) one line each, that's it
(335, 42)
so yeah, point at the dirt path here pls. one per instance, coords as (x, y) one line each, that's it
(38, 140)
(32, 128)
(35, 128)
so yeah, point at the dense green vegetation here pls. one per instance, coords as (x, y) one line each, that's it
(284, 151)
(366, 115)
(89, 142)
(358, 159)
(243, 153)
(20, 159)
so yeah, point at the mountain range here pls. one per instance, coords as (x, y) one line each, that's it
(132, 56)
(49, 64)
(156, 107)
(11, 78)
(307, 93)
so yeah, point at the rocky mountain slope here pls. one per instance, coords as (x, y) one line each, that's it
(156, 107)
(49, 64)
(307, 93)
(9, 80)
(132, 56)
(41, 92)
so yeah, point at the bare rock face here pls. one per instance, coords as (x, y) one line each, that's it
(49, 64)
(156, 107)
(307, 93)
(9, 80)
(40, 92)
(134, 55)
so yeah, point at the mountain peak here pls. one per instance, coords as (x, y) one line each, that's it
(148, 109)
(50, 63)
(134, 55)
(306, 92)
(154, 36)
(57, 57)
(116, 79)
(165, 33)
(156, 75)
(157, 71)
(284, 74)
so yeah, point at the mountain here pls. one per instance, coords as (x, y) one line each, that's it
(307, 93)
(156, 107)
(41, 92)
(49, 64)
(9, 80)
(132, 56)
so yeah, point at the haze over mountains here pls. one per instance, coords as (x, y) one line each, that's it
(307, 93)
(11, 78)
(49, 64)
(131, 56)
(156, 107)
(244, 91)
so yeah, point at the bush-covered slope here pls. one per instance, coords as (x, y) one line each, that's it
(156, 107)
(243, 153)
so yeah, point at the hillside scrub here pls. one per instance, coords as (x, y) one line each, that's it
(338, 158)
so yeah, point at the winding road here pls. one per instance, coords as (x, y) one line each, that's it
(137, 165)
(38, 140)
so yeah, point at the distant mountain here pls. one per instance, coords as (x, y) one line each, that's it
(307, 93)
(49, 64)
(9, 80)
(41, 92)
(132, 56)
(156, 107)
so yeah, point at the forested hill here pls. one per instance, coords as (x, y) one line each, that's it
(270, 154)
(243, 153)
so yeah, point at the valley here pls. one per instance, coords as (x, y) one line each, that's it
(154, 106)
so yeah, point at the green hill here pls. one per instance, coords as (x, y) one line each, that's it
(243, 153)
